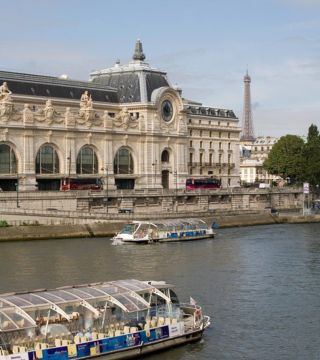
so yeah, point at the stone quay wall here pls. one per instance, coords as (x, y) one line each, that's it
(79, 207)
(86, 214)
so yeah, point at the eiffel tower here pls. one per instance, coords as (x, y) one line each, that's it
(247, 125)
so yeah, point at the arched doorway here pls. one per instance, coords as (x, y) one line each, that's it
(48, 168)
(8, 167)
(123, 168)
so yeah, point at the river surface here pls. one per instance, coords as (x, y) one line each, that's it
(260, 285)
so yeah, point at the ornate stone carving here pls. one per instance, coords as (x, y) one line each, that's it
(125, 120)
(182, 125)
(49, 114)
(4, 134)
(27, 114)
(69, 118)
(142, 123)
(166, 126)
(107, 120)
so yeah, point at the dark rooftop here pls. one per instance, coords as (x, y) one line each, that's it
(54, 87)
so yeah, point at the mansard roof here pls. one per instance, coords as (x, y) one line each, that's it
(54, 87)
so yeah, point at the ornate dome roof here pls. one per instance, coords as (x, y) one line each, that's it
(135, 81)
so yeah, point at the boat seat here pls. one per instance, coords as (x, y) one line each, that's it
(161, 321)
(77, 339)
(117, 333)
(15, 349)
(147, 327)
(101, 335)
(133, 329)
(57, 342)
(168, 321)
(153, 323)
(111, 333)
(23, 349)
(83, 339)
(94, 335)
(174, 321)
(75, 315)
(4, 352)
(126, 330)
(66, 342)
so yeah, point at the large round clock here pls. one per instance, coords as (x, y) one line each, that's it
(166, 110)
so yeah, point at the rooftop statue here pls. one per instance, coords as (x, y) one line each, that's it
(5, 92)
(86, 101)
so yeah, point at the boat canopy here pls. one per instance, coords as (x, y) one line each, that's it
(14, 307)
(181, 224)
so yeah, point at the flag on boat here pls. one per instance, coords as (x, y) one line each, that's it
(192, 301)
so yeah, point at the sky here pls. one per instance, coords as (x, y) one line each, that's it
(205, 46)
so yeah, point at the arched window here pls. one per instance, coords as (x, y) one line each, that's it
(165, 154)
(87, 161)
(123, 162)
(8, 161)
(47, 160)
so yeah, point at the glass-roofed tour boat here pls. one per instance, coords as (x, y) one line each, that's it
(117, 319)
(146, 232)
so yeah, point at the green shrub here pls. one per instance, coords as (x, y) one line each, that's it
(3, 223)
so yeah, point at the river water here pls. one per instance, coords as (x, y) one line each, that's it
(260, 285)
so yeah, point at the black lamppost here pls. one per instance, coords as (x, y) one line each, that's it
(176, 183)
(107, 186)
(69, 164)
(155, 172)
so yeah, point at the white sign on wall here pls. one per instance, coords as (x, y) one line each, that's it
(306, 188)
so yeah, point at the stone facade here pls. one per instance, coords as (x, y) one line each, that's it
(132, 132)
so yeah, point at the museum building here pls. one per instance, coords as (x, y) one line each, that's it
(126, 126)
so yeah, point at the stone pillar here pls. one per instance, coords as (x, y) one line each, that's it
(26, 170)
(107, 166)
(70, 156)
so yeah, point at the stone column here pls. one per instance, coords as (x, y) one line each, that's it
(70, 156)
(107, 166)
(26, 170)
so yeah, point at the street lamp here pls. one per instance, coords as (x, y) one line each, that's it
(107, 186)
(69, 164)
(155, 172)
(17, 191)
(176, 183)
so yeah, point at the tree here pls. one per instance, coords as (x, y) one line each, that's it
(311, 157)
(285, 158)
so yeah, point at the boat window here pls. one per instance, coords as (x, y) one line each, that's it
(129, 229)
(10, 320)
(174, 297)
(54, 330)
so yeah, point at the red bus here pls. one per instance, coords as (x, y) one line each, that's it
(81, 184)
(203, 183)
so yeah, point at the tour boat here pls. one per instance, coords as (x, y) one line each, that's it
(145, 232)
(117, 319)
